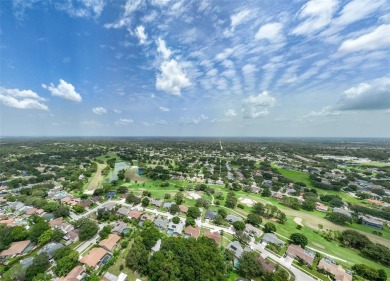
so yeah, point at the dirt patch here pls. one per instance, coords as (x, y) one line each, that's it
(132, 175)
(246, 201)
(298, 221)
(193, 195)
(318, 245)
(97, 177)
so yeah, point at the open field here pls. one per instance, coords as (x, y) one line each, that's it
(97, 177)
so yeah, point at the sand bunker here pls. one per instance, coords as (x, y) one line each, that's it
(298, 221)
(193, 195)
(246, 201)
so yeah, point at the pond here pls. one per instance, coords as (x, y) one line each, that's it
(113, 175)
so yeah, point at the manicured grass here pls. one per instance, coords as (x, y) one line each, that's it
(233, 276)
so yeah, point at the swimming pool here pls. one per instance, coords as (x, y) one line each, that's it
(170, 232)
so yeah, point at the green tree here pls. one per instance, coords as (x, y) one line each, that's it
(145, 202)
(122, 189)
(369, 273)
(254, 219)
(222, 212)
(258, 208)
(150, 235)
(15, 273)
(58, 234)
(43, 277)
(46, 237)
(175, 219)
(239, 225)
(87, 227)
(190, 221)
(338, 218)
(174, 209)
(106, 230)
(269, 227)
(66, 263)
(137, 258)
(309, 204)
(179, 198)
(37, 229)
(299, 239)
(39, 265)
(19, 233)
(193, 212)
(163, 267)
(250, 266)
(78, 209)
(61, 211)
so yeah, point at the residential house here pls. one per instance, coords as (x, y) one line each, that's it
(95, 257)
(147, 217)
(233, 218)
(213, 235)
(183, 209)
(267, 266)
(109, 206)
(374, 202)
(16, 249)
(236, 247)
(56, 222)
(85, 203)
(156, 202)
(123, 211)
(321, 207)
(76, 274)
(337, 271)
(342, 211)
(190, 231)
(51, 248)
(161, 223)
(210, 214)
(271, 238)
(119, 227)
(65, 227)
(134, 214)
(369, 221)
(167, 205)
(72, 236)
(175, 228)
(110, 242)
(26, 262)
(252, 231)
(295, 251)
(278, 195)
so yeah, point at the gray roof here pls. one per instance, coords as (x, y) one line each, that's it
(342, 211)
(161, 223)
(236, 247)
(51, 248)
(123, 211)
(168, 204)
(26, 262)
(233, 218)
(177, 228)
(157, 246)
(210, 214)
(271, 238)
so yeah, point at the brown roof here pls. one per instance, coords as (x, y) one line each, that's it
(298, 251)
(192, 231)
(267, 266)
(72, 276)
(16, 248)
(94, 257)
(336, 270)
(145, 217)
(110, 243)
(373, 201)
(183, 209)
(31, 211)
(56, 222)
(135, 214)
(213, 235)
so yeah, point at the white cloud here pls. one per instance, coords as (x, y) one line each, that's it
(377, 39)
(99, 110)
(162, 122)
(373, 95)
(117, 111)
(124, 122)
(253, 113)
(172, 79)
(251, 104)
(63, 90)
(230, 113)
(140, 33)
(92, 124)
(162, 49)
(317, 14)
(192, 121)
(271, 32)
(125, 19)
(239, 18)
(224, 55)
(22, 99)
(263, 99)
(357, 10)
(84, 8)
(325, 111)
(164, 109)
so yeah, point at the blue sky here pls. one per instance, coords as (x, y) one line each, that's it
(195, 68)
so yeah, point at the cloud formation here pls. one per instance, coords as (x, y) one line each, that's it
(230, 113)
(164, 109)
(374, 95)
(99, 110)
(141, 35)
(124, 122)
(256, 106)
(63, 90)
(22, 99)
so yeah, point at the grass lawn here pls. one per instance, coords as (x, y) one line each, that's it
(233, 276)
(311, 271)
